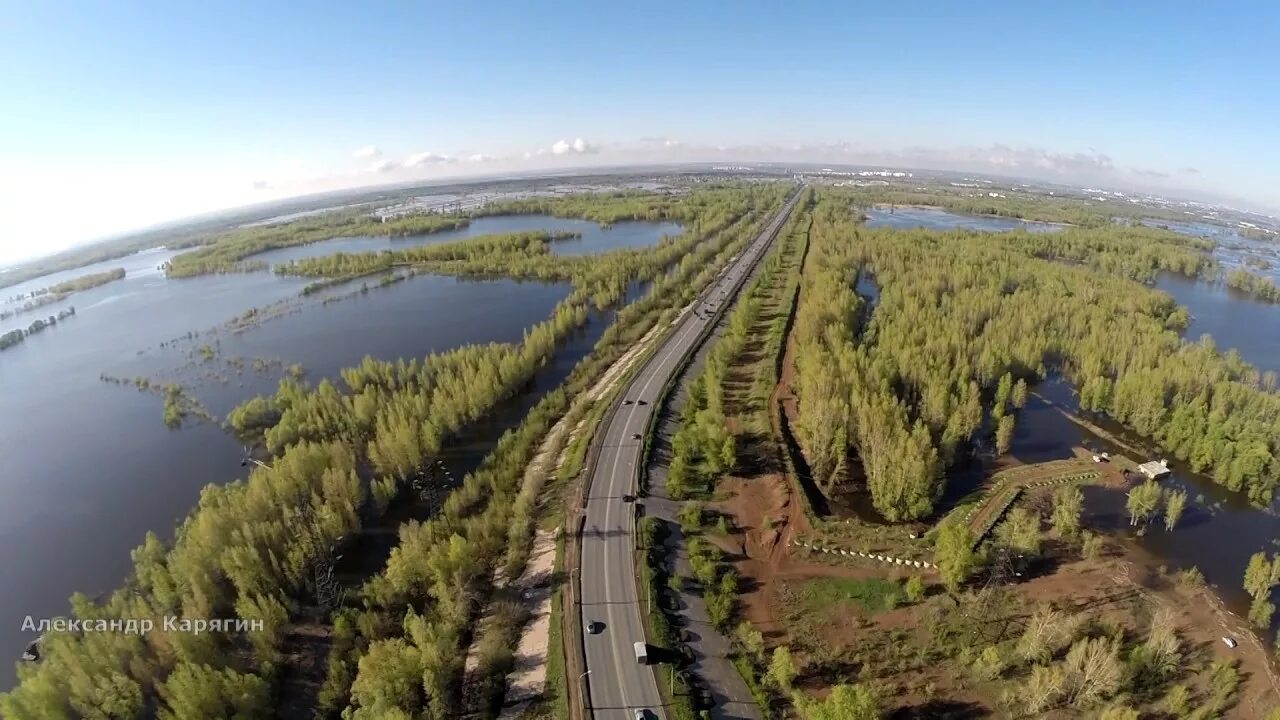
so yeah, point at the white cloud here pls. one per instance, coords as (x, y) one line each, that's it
(367, 152)
(480, 157)
(383, 166)
(261, 185)
(426, 158)
(577, 147)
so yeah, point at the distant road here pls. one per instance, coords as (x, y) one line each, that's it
(618, 684)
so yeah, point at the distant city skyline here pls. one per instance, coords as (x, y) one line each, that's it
(128, 116)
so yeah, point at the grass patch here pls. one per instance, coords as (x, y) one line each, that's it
(873, 595)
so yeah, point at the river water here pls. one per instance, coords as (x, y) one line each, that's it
(89, 466)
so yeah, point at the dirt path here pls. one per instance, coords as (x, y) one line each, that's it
(528, 679)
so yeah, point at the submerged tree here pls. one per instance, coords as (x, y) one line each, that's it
(1175, 501)
(1143, 502)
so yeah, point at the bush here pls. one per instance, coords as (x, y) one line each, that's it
(914, 589)
(690, 517)
(989, 665)
(1178, 701)
(1091, 545)
(1191, 577)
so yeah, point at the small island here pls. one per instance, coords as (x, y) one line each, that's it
(37, 299)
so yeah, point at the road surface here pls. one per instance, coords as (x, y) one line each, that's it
(618, 684)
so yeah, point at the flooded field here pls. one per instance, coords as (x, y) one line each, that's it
(939, 219)
(1217, 533)
(91, 466)
(1234, 251)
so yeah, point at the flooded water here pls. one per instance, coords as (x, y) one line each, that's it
(939, 219)
(1233, 250)
(1219, 529)
(1234, 319)
(90, 465)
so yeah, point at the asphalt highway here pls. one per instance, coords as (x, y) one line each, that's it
(618, 684)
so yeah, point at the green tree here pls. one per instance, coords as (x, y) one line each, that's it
(1260, 612)
(389, 676)
(1044, 688)
(1046, 632)
(782, 669)
(1092, 545)
(1119, 712)
(1177, 702)
(954, 555)
(690, 517)
(1258, 577)
(1068, 504)
(989, 664)
(1004, 434)
(1004, 391)
(1020, 394)
(1175, 501)
(1020, 531)
(728, 454)
(845, 702)
(1093, 671)
(751, 640)
(200, 691)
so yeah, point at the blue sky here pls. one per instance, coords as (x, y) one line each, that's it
(142, 112)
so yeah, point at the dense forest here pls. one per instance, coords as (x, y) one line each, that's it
(262, 548)
(226, 251)
(961, 314)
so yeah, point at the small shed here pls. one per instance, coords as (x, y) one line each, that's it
(1154, 469)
